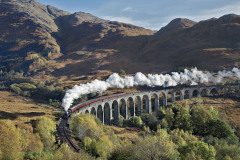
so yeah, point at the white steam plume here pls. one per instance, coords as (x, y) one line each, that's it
(189, 77)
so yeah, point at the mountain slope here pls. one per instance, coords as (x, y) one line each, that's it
(212, 44)
(43, 40)
(33, 34)
(27, 24)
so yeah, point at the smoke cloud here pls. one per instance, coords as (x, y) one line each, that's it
(188, 77)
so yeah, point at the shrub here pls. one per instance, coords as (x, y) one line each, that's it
(47, 93)
(37, 64)
(31, 142)
(102, 147)
(169, 117)
(150, 121)
(32, 56)
(161, 114)
(3, 87)
(64, 152)
(15, 89)
(46, 128)
(207, 122)
(45, 155)
(134, 122)
(10, 141)
(220, 129)
(197, 150)
(181, 137)
(182, 118)
(86, 126)
(54, 102)
(120, 121)
(123, 153)
(227, 151)
(33, 155)
(97, 139)
(26, 86)
(200, 117)
(151, 147)
(87, 143)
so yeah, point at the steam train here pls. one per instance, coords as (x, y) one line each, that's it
(76, 108)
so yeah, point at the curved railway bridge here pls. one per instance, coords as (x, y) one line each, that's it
(109, 108)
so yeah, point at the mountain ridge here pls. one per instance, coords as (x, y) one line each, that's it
(176, 24)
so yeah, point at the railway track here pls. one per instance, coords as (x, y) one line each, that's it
(64, 134)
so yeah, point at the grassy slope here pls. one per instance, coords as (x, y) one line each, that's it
(22, 110)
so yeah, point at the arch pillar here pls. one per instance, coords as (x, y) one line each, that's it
(149, 108)
(165, 102)
(107, 113)
(138, 105)
(140, 109)
(116, 117)
(111, 110)
(126, 110)
(123, 108)
(134, 111)
(208, 92)
(173, 97)
(156, 104)
(93, 111)
(181, 95)
(103, 116)
(100, 113)
(116, 111)
(199, 94)
(111, 116)
(96, 113)
(147, 103)
(131, 106)
(190, 94)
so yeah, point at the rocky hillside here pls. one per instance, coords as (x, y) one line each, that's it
(43, 40)
(211, 44)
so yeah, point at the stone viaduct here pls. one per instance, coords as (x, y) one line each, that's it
(108, 109)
